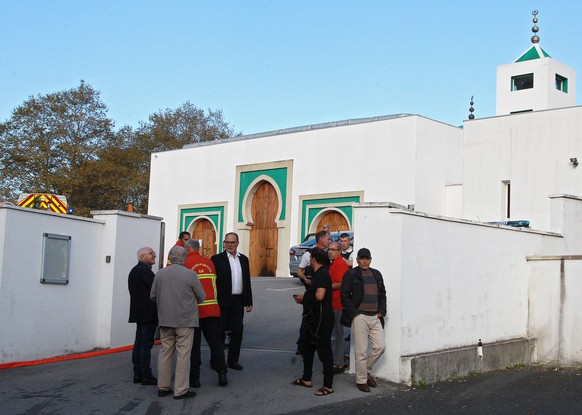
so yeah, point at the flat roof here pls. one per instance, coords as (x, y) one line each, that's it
(311, 127)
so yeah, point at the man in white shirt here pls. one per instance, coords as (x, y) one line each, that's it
(234, 294)
(347, 250)
(304, 271)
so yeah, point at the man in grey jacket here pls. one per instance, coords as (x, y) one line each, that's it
(177, 292)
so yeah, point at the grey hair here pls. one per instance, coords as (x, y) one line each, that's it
(231, 233)
(193, 244)
(142, 251)
(177, 255)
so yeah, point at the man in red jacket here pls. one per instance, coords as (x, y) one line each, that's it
(182, 239)
(337, 269)
(209, 315)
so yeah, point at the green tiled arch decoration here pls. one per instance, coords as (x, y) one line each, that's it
(312, 207)
(279, 176)
(214, 213)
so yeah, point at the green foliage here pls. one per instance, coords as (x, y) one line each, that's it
(166, 130)
(50, 139)
(171, 129)
(519, 365)
(455, 378)
(421, 384)
(64, 143)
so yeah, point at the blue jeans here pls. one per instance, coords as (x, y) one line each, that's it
(142, 348)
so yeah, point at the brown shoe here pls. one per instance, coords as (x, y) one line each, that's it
(363, 387)
(372, 381)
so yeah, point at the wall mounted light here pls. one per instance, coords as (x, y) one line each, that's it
(574, 161)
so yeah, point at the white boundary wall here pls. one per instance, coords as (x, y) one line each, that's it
(44, 320)
(451, 282)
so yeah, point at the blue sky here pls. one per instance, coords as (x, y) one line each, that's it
(277, 64)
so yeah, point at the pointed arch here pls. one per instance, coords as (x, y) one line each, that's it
(337, 220)
(248, 197)
(264, 210)
(204, 230)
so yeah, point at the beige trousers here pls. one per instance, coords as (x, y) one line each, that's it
(364, 328)
(177, 340)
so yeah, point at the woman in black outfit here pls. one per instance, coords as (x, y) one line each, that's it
(317, 325)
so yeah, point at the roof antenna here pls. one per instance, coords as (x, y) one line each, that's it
(535, 38)
(471, 109)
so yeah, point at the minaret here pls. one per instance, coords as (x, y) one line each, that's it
(535, 81)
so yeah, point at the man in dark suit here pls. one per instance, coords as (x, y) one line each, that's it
(233, 286)
(144, 313)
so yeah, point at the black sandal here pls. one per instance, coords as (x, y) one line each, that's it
(301, 382)
(323, 391)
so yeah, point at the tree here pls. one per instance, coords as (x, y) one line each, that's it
(63, 143)
(168, 130)
(119, 176)
(172, 129)
(48, 142)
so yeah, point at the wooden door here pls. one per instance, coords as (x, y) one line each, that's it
(205, 231)
(336, 221)
(264, 234)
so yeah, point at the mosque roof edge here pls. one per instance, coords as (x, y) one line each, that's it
(311, 127)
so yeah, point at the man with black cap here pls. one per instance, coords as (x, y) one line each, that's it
(363, 298)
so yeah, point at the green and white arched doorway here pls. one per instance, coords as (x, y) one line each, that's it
(334, 209)
(262, 216)
(203, 230)
(205, 222)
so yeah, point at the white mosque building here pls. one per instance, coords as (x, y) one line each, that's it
(431, 201)
(428, 199)
(273, 188)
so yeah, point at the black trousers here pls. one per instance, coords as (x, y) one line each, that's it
(211, 328)
(324, 352)
(231, 317)
(142, 348)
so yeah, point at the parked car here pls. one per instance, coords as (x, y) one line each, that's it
(308, 237)
(297, 251)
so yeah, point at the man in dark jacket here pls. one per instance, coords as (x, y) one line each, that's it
(144, 313)
(363, 298)
(234, 294)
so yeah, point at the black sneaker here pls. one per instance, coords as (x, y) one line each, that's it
(187, 395)
(150, 380)
(164, 392)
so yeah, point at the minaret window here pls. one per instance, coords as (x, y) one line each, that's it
(561, 83)
(522, 82)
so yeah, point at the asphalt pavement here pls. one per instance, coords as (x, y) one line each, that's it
(103, 385)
